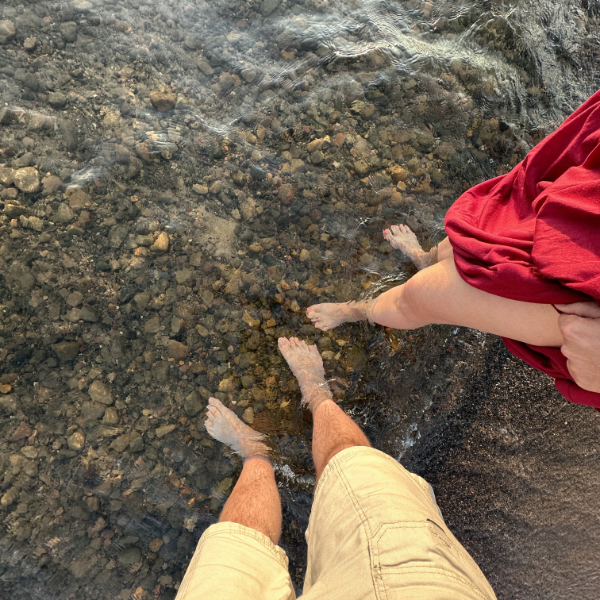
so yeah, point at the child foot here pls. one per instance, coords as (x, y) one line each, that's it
(402, 238)
(224, 425)
(329, 315)
(307, 366)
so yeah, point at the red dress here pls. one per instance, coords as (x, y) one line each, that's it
(534, 234)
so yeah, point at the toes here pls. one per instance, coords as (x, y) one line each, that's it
(283, 343)
(395, 229)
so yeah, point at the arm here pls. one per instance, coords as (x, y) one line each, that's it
(580, 327)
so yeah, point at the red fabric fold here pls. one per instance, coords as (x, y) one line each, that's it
(533, 234)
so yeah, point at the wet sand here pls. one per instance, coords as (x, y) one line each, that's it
(515, 471)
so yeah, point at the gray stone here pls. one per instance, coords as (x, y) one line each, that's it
(249, 74)
(89, 314)
(68, 31)
(64, 213)
(204, 66)
(8, 404)
(7, 116)
(26, 160)
(57, 99)
(75, 298)
(7, 31)
(193, 404)
(92, 410)
(226, 82)
(130, 557)
(192, 42)
(66, 350)
(268, 6)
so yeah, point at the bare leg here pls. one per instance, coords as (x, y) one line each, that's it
(444, 250)
(254, 501)
(328, 316)
(439, 295)
(333, 430)
(402, 238)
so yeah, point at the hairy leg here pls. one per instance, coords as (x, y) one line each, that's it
(333, 430)
(254, 501)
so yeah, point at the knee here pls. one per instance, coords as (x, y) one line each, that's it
(412, 303)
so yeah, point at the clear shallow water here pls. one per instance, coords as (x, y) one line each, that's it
(271, 142)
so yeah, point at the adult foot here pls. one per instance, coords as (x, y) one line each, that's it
(307, 366)
(402, 238)
(329, 315)
(224, 425)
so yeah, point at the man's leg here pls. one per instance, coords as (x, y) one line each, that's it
(375, 530)
(333, 430)
(238, 557)
(254, 501)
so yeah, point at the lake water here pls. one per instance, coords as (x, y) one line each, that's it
(178, 182)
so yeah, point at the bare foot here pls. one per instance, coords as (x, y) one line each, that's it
(224, 425)
(329, 315)
(402, 238)
(307, 366)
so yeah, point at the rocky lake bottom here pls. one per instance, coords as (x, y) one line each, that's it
(178, 182)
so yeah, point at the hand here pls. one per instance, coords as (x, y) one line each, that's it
(580, 328)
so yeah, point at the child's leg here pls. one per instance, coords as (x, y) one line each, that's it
(439, 295)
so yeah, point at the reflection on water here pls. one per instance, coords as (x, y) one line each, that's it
(179, 180)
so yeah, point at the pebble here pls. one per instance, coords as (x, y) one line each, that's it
(7, 31)
(57, 100)
(22, 431)
(163, 430)
(77, 197)
(50, 183)
(248, 415)
(64, 213)
(30, 43)
(68, 31)
(27, 180)
(76, 441)
(201, 190)
(66, 351)
(268, 6)
(162, 242)
(100, 392)
(163, 99)
(177, 350)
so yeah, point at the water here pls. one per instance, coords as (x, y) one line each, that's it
(271, 142)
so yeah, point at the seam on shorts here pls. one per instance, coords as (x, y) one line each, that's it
(237, 528)
(425, 526)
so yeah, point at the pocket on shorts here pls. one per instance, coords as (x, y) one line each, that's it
(409, 554)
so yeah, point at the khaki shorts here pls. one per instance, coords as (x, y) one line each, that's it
(375, 532)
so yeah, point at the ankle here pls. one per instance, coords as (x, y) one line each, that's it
(258, 457)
